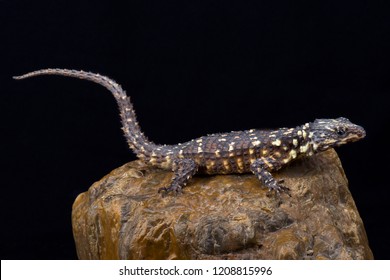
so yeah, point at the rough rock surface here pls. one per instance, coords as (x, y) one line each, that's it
(221, 217)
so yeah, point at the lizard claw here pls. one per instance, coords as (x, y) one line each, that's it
(278, 187)
(172, 188)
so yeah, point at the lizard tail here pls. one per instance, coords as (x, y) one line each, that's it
(134, 136)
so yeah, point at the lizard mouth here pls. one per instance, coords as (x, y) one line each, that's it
(358, 134)
(361, 133)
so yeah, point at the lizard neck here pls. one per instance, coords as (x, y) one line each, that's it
(304, 136)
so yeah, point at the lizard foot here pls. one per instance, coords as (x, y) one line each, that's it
(172, 188)
(278, 187)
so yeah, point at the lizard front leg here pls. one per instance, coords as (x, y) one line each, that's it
(183, 170)
(261, 168)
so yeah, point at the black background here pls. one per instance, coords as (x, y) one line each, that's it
(192, 68)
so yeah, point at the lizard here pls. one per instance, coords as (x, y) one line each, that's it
(256, 151)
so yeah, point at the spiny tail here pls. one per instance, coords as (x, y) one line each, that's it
(134, 136)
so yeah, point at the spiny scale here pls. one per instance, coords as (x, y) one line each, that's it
(258, 151)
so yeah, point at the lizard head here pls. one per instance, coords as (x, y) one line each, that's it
(326, 133)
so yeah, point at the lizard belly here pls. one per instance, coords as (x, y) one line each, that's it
(223, 165)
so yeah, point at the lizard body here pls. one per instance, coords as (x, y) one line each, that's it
(258, 151)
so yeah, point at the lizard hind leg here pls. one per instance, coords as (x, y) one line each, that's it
(183, 170)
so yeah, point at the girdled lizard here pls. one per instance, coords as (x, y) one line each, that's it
(258, 151)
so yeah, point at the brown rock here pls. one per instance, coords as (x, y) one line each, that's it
(221, 217)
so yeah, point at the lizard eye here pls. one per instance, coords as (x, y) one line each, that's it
(341, 131)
